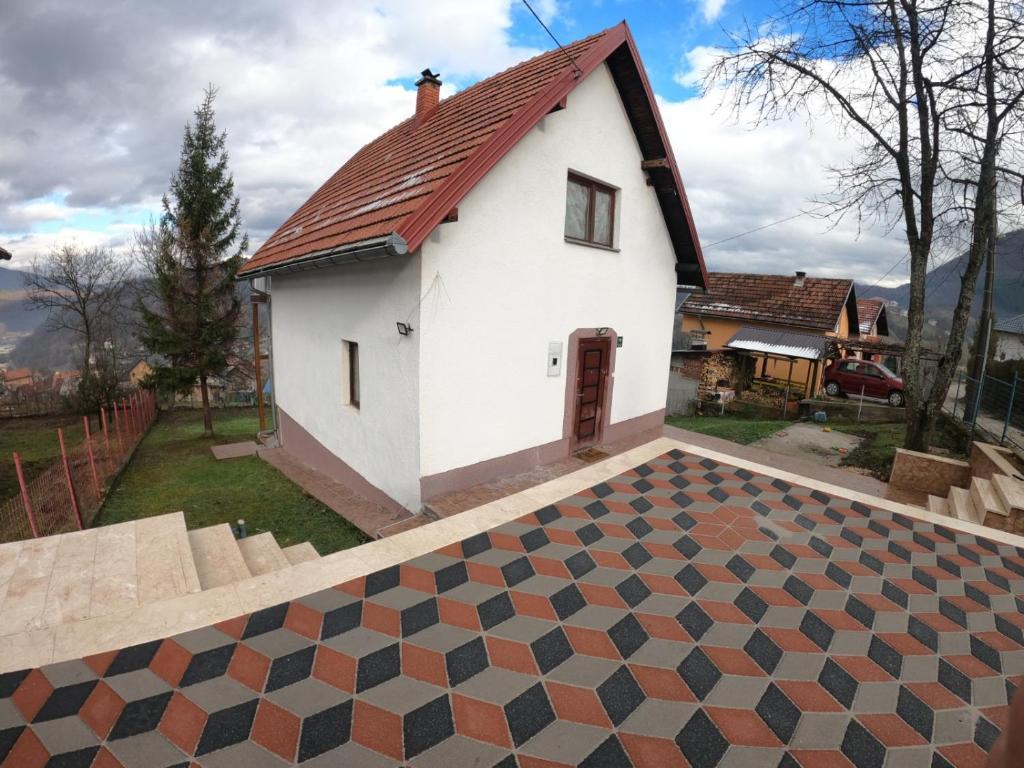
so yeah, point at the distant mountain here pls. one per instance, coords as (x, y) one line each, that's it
(942, 286)
(13, 314)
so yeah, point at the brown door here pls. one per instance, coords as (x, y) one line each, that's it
(591, 382)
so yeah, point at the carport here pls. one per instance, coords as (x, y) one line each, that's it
(766, 344)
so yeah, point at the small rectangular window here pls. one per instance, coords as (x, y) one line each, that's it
(589, 211)
(350, 369)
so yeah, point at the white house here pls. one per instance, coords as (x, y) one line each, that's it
(487, 286)
(1010, 338)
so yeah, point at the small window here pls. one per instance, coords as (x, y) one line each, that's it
(350, 372)
(589, 211)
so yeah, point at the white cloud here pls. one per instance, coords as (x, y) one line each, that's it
(711, 9)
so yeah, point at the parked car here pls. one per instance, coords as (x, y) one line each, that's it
(852, 377)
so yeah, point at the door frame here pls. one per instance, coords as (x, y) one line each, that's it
(571, 370)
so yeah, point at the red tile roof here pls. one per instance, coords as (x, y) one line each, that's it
(868, 311)
(407, 181)
(775, 299)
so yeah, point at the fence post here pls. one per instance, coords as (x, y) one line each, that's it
(92, 458)
(67, 475)
(117, 428)
(24, 497)
(106, 438)
(1009, 408)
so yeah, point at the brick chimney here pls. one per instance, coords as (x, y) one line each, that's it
(428, 94)
(799, 282)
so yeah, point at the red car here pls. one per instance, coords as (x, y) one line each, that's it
(851, 377)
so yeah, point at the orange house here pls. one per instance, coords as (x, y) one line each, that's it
(799, 304)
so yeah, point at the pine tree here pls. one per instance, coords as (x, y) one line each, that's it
(190, 311)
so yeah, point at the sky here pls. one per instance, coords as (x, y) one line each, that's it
(96, 96)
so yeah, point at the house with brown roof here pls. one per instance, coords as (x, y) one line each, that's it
(783, 320)
(16, 378)
(872, 316)
(486, 286)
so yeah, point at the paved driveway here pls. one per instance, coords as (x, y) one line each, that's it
(683, 612)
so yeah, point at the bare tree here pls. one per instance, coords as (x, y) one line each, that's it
(903, 76)
(83, 290)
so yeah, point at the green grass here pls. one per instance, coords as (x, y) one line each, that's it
(35, 440)
(738, 429)
(174, 469)
(881, 440)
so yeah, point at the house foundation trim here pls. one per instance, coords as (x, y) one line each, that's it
(432, 486)
(310, 451)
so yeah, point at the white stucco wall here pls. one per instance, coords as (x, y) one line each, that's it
(313, 312)
(501, 283)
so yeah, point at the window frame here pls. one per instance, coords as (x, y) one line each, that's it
(350, 373)
(593, 186)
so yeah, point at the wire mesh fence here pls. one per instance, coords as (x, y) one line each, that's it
(994, 407)
(66, 495)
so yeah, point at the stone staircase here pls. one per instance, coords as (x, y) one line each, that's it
(996, 502)
(72, 577)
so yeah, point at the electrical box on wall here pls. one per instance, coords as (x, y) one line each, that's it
(554, 358)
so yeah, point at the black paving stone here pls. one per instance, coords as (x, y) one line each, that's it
(427, 726)
(778, 712)
(65, 701)
(418, 617)
(740, 568)
(534, 539)
(265, 620)
(378, 667)
(144, 715)
(633, 591)
(699, 673)
(528, 714)
(765, 653)
(325, 730)
(474, 545)
(636, 555)
(694, 620)
(517, 571)
(620, 695)
(915, 713)
(495, 610)
(130, 659)
(383, 580)
(567, 601)
(580, 564)
(551, 649)
(752, 606)
(700, 741)
(340, 620)
(451, 576)
(861, 748)
(816, 630)
(838, 682)
(628, 635)
(466, 661)
(290, 668)
(885, 656)
(690, 579)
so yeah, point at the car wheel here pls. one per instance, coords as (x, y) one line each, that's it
(896, 399)
(832, 388)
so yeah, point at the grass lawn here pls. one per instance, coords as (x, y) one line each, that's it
(878, 450)
(174, 469)
(35, 440)
(737, 428)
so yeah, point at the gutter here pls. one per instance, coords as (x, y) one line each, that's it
(365, 250)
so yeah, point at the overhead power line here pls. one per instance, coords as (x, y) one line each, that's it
(763, 226)
(575, 66)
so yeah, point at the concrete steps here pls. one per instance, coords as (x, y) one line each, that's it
(300, 553)
(124, 568)
(217, 556)
(938, 505)
(960, 505)
(985, 498)
(262, 554)
(1010, 492)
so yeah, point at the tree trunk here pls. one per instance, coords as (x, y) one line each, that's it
(207, 412)
(917, 416)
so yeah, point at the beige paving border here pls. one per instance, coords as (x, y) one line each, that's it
(192, 611)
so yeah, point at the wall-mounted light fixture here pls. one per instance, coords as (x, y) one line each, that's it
(601, 331)
(404, 329)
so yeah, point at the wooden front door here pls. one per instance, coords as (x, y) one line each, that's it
(591, 383)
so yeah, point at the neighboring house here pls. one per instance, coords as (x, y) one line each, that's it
(488, 285)
(139, 371)
(65, 383)
(740, 307)
(1010, 339)
(17, 378)
(872, 317)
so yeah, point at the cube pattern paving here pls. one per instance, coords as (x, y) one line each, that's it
(682, 613)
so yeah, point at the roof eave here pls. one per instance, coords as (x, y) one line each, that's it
(365, 250)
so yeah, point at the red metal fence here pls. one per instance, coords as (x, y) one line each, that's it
(67, 495)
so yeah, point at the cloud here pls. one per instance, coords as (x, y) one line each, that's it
(95, 99)
(711, 9)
